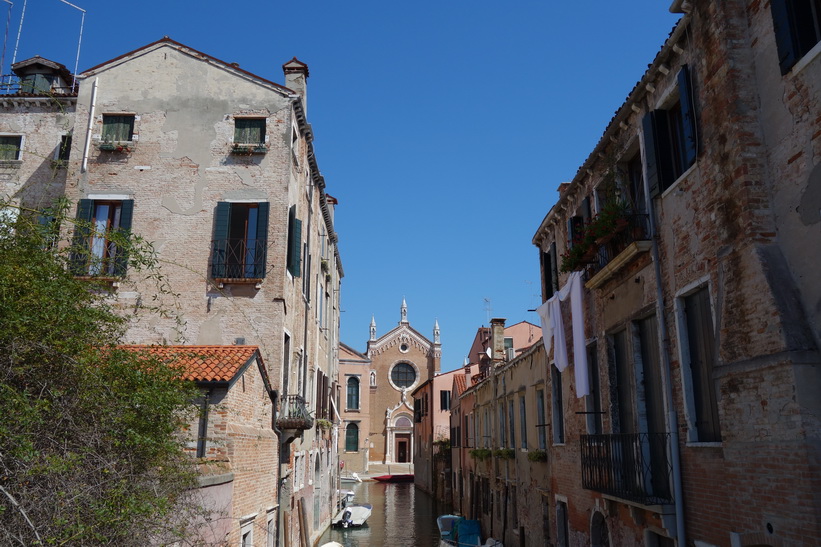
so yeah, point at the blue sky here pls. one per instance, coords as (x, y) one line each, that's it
(443, 128)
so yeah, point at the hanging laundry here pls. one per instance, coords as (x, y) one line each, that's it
(550, 314)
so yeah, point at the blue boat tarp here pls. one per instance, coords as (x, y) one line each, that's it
(467, 532)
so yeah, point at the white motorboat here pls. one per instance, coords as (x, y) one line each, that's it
(353, 477)
(345, 497)
(353, 515)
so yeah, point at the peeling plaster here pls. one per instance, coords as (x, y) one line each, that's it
(809, 208)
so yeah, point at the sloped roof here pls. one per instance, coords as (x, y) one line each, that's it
(165, 40)
(346, 352)
(203, 363)
(459, 383)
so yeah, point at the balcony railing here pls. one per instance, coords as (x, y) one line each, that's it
(11, 84)
(237, 258)
(632, 228)
(634, 467)
(293, 414)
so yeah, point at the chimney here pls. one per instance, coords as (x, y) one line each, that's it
(296, 79)
(497, 340)
(467, 372)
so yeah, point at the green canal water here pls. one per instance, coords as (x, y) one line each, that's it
(403, 516)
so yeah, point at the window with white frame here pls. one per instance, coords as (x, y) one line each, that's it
(797, 27)
(671, 136)
(10, 147)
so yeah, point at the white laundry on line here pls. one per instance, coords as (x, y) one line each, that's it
(550, 314)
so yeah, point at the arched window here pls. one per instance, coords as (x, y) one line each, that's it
(403, 421)
(352, 438)
(353, 393)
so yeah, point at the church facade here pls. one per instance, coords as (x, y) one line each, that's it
(377, 408)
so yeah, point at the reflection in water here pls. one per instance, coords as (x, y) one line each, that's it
(402, 517)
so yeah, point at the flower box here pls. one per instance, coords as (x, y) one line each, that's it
(248, 149)
(114, 147)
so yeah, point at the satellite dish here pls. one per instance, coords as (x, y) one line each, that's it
(488, 352)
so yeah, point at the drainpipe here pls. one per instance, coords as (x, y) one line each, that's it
(90, 124)
(666, 372)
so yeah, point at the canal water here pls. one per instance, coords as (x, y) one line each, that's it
(403, 516)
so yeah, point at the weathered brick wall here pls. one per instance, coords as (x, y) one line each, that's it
(35, 181)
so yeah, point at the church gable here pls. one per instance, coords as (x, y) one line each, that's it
(403, 335)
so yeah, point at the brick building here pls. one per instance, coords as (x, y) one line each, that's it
(689, 413)
(36, 120)
(393, 365)
(215, 168)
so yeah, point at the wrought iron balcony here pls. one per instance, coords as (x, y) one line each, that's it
(293, 414)
(634, 467)
(611, 252)
(238, 258)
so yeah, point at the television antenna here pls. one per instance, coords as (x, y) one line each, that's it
(488, 308)
(20, 31)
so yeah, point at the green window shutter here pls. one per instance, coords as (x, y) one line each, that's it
(261, 250)
(650, 154)
(117, 128)
(294, 242)
(220, 243)
(688, 115)
(78, 258)
(784, 34)
(126, 216)
(10, 147)
(249, 130)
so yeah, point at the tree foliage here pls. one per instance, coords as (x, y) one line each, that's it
(89, 451)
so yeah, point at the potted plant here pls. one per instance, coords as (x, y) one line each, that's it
(537, 455)
(480, 453)
(504, 453)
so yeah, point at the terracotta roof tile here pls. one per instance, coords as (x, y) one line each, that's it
(203, 363)
(461, 385)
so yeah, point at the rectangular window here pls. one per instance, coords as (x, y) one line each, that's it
(10, 146)
(512, 429)
(294, 242)
(625, 388)
(562, 532)
(444, 400)
(64, 150)
(523, 421)
(37, 83)
(558, 405)
(702, 356)
(593, 399)
(635, 177)
(240, 240)
(502, 429)
(99, 236)
(118, 127)
(202, 429)
(540, 419)
(550, 272)
(670, 138)
(797, 26)
(249, 131)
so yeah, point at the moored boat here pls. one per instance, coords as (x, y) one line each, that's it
(403, 477)
(457, 531)
(353, 515)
